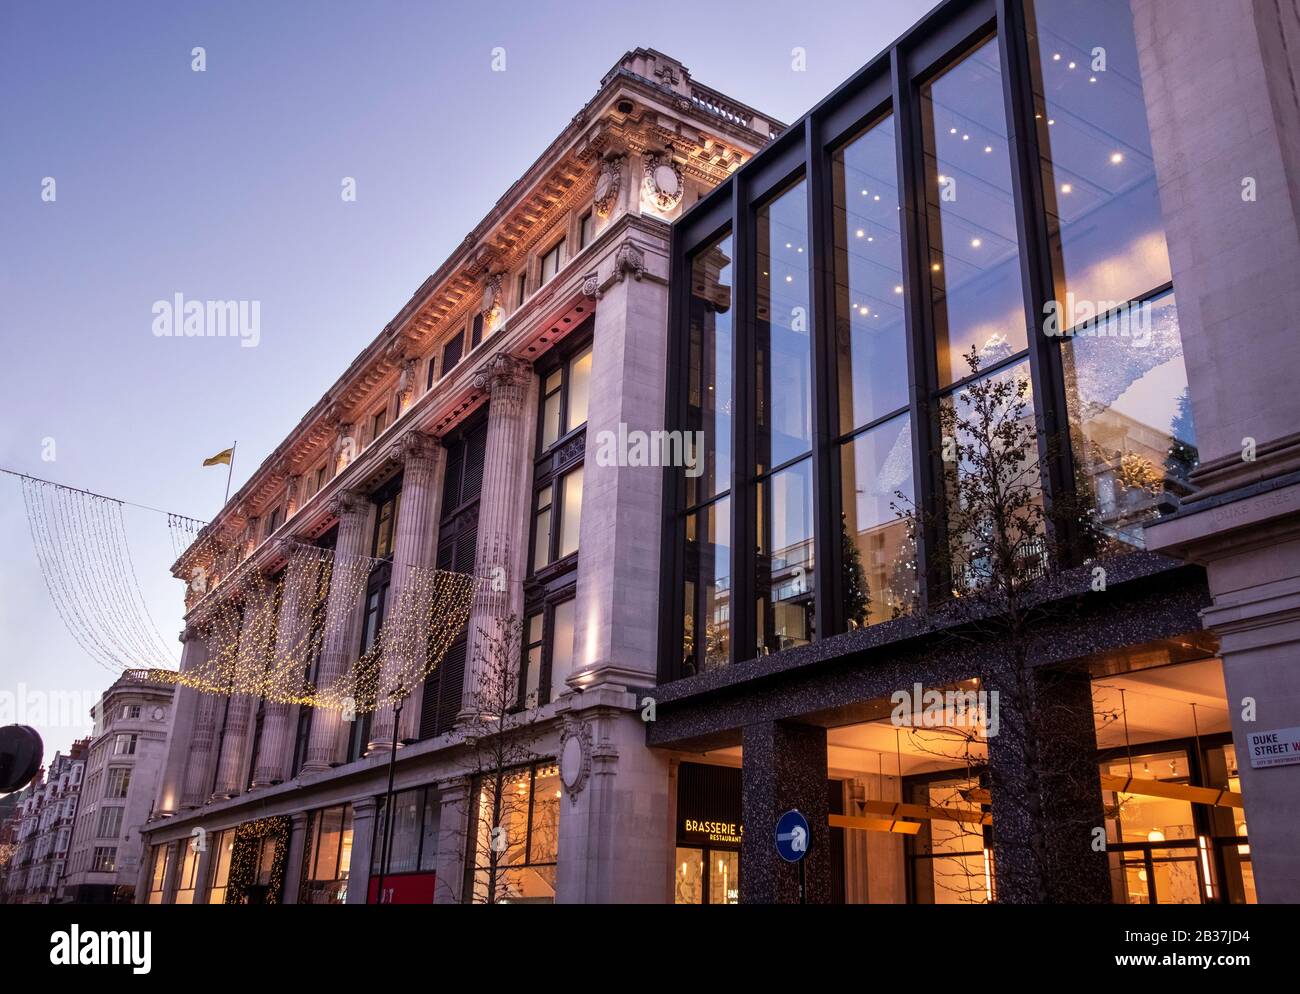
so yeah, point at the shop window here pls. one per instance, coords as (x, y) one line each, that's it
(328, 856)
(222, 847)
(412, 848)
(950, 861)
(162, 856)
(187, 874)
(515, 830)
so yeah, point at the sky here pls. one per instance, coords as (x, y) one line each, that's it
(225, 184)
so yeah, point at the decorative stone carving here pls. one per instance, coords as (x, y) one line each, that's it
(591, 285)
(493, 297)
(607, 185)
(629, 259)
(500, 372)
(346, 502)
(662, 184)
(291, 491)
(345, 445)
(667, 75)
(407, 380)
(575, 756)
(413, 446)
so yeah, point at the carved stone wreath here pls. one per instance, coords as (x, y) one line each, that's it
(607, 185)
(662, 182)
(575, 756)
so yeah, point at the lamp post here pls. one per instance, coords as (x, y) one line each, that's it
(399, 700)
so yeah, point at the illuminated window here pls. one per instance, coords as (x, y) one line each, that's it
(515, 831)
(329, 856)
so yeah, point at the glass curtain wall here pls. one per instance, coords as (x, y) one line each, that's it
(963, 218)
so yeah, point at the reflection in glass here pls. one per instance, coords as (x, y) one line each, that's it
(870, 335)
(1099, 180)
(878, 579)
(706, 634)
(782, 339)
(1132, 433)
(784, 572)
(570, 512)
(579, 389)
(709, 397)
(689, 878)
(948, 860)
(974, 250)
(992, 484)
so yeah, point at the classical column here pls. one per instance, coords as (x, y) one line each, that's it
(453, 828)
(499, 560)
(182, 726)
(783, 767)
(198, 748)
(363, 839)
(250, 659)
(340, 648)
(413, 548)
(1045, 794)
(275, 749)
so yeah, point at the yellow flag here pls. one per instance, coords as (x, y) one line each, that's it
(221, 457)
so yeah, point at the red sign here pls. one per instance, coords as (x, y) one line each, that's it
(403, 888)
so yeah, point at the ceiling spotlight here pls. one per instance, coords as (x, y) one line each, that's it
(975, 243)
(1116, 158)
(1072, 65)
(1056, 57)
(988, 148)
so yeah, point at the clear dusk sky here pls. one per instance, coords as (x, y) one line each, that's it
(225, 184)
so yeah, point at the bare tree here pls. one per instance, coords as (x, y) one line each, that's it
(501, 738)
(992, 551)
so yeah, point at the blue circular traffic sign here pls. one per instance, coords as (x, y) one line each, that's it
(792, 836)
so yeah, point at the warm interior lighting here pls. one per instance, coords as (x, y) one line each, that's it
(1205, 866)
(1155, 835)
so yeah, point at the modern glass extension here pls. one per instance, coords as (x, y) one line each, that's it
(979, 202)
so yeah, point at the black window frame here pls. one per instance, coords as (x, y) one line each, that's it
(890, 84)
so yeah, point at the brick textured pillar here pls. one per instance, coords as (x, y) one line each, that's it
(503, 511)
(783, 767)
(250, 659)
(1046, 791)
(413, 544)
(342, 616)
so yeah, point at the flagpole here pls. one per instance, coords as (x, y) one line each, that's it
(230, 470)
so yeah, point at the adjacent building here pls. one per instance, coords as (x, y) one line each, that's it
(698, 403)
(467, 437)
(123, 764)
(47, 808)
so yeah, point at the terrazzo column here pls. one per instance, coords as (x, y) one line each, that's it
(342, 615)
(275, 748)
(1046, 792)
(783, 767)
(250, 659)
(414, 541)
(499, 560)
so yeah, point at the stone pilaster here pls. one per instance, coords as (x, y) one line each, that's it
(363, 839)
(297, 846)
(342, 616)
(503, 516)
(453, 833)
(616, 638)
(414, 542)
(783, 767)
(250, 659)
(1046, 797)
(181, 730)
